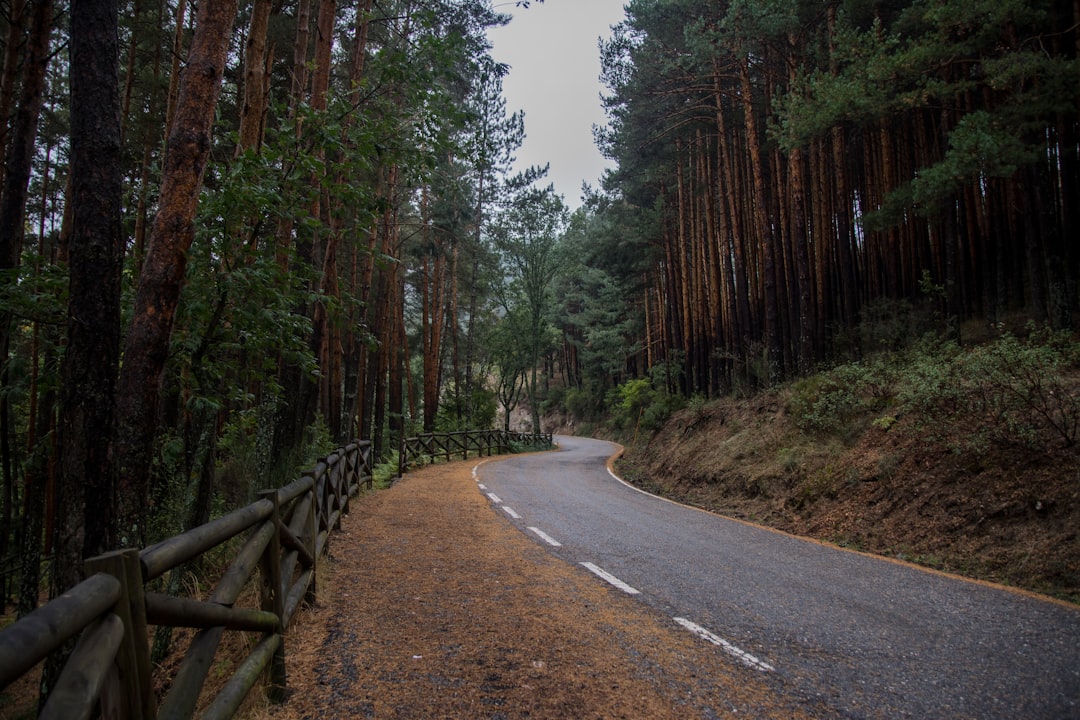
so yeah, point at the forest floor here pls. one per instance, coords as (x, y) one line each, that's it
(1002, 513)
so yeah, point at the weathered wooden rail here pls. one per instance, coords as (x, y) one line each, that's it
(448, 445)
(280, 535)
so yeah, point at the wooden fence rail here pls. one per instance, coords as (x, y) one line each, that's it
(280, 536)
(432, 446)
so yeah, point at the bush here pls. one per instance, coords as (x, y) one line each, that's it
(555, 400)
(637, 403)
(1008, 391)
(628, 401)
(828, 401)
(384, 473)
(580, 403)
(658, 411)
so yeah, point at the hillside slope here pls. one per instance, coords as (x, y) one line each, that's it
(907, 487)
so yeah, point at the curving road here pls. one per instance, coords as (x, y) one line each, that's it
(865, 637)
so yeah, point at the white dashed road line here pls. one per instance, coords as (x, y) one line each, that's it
(545, 537)
(605, 575)
(738, 653)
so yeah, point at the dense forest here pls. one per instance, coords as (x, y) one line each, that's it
(787, 169)
(235, 234)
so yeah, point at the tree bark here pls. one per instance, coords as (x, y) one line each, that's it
(763, 229)
(16, 177)
(95, 253)
(20, 152)
(16, 16)
(253, 110)
(160, 283)
(172, 99)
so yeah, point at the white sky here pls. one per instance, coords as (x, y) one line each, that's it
(554, 61)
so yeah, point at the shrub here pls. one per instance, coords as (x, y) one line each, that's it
(628, 401)
(1008, 391)
(637, 403)
(555, 400)
(828, 401)
(660, 409)
(579, 403)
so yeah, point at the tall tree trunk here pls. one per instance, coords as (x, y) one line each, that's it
(395, 332)
(806, 319)
(432, 310)
(39, 478)
(85, 488)
(300, 57)
(158, 293)
(742, 322)
(172, 98)
(150, 143)
(799, 239)
(9, 75)
(13, 200)
(762, 228)
(452, 329)
(296, 409)
(20, 151)
(40, 440)
(95, 256)
(253, 109)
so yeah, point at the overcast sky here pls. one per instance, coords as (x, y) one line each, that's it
(554, 77)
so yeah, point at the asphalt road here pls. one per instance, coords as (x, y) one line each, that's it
(862, 636)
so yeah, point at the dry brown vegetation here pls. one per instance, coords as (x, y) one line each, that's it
(907, 487)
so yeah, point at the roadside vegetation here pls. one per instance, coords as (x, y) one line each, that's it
(962, 458)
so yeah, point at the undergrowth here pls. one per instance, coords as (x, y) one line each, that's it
(1010, 390)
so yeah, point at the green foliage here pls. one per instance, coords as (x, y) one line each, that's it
(245, 452)
(170, 506)
(583, 404)
(555, 399)
(932, 55)
(1009, 391)
(384, 473)
(697, 404)
(482, 407)
(639, 404)
(885, 422)
(41, 297)
(668, 375)
(830, 400)
(527, 235)
(631, 397)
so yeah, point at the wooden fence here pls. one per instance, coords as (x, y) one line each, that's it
(280, 535)
(432, 446)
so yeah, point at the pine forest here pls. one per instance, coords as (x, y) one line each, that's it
(238, 234)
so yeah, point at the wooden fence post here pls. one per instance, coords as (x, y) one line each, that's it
(272, 597)
(133, 696)
(311, 526)
(341, 486)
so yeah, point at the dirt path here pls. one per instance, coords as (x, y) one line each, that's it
(435, 606)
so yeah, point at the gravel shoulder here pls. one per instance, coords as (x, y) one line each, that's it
(432, 605)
